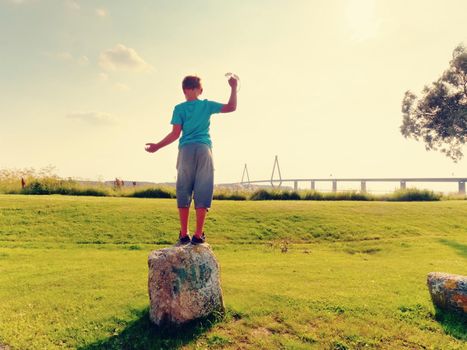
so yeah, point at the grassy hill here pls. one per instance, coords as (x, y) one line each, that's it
(295, 274)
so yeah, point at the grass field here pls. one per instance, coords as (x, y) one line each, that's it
(73, 273)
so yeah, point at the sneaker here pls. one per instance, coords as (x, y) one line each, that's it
(198, 240)
(183, 240)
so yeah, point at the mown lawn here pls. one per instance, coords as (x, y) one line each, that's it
(73, 273)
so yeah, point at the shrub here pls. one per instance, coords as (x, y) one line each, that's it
(313, 195)
(97, 192)
(10, 179)
(454, 196)
(262, 195)
(347, 196)
(153, 193)
(413, 194)
(36, 187)
(401, 195)
(226, 193)
(64, 187)
(230, 196)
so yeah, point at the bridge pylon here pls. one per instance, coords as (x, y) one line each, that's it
(245, 173)
(276, 164)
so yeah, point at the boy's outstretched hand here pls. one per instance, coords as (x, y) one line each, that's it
(171, 137)
(151, 147)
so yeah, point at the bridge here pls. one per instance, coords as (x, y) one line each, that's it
(363, 181)
(277, 183)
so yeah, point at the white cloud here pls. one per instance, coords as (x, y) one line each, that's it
(83, 60)
(121, 87)
(64, 56)
(94, 118)
(68, 57)
(123, 58)
(103, 76)
(19, 2)
(102, 12)
(73, 5)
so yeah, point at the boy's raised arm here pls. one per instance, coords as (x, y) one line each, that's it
(171, 137)
(232, 104)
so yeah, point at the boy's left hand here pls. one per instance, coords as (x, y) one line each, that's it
(233, 83)
(151, 147)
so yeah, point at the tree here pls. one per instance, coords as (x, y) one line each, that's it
(439, 116)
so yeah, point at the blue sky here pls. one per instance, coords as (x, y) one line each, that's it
(85, 84)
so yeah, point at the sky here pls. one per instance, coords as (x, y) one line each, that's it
(85, 84)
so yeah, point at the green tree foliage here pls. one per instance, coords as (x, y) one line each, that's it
(439, 116)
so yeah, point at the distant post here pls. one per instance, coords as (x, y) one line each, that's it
(363, 186)
(403, 185)
(312, 185)
(334, 186)
(23, 183)
(461, 187)
(295, 185)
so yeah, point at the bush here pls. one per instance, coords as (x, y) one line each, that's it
(64, 187)
(313, 196)
(401, 195)
(263, 195)
(230, 196)
(153, 193)
(36, 187)
(413, 194)
(454, 196)
(97, 192)
(10, 179)
(348, 196)
(338, 196)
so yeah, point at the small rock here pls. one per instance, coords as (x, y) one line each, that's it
(448, 292)
(184, 284)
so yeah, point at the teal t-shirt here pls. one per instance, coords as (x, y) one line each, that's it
(195, 118)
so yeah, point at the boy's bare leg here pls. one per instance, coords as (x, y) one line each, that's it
(184, 213)
(200, 217)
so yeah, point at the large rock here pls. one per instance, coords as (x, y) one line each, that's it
(448, 292)
(184, 284)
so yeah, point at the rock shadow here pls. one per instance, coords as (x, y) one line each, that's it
(453, 323)
(459, 247)
(143, 334)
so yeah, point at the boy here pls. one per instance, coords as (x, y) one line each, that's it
(194, 164)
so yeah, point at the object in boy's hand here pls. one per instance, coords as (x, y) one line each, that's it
(231, 75)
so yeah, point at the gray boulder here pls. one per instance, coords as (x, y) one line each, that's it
(184, 284)
(448, 292)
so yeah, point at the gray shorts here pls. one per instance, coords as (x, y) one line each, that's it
(195, 177)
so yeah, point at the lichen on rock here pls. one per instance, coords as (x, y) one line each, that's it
(448, 291)
(184, 284)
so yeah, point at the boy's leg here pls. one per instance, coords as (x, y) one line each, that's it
(203, 186)
(200, 217)
(184, 214)
(184, 187)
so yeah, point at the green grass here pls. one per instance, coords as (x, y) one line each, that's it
(295, 274)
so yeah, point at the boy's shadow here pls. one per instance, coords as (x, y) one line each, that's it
(453, 323)
(459, 247)
(143, 334)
